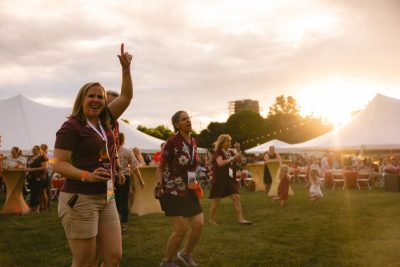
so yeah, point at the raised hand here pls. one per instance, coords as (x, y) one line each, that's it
(237, 146)
(125, 59)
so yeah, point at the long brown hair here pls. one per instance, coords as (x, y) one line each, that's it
(77, 110)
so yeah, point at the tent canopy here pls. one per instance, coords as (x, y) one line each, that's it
(376, 127)
(25, 123)
(264, 147)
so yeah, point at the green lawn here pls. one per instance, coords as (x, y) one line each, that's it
(347, 228)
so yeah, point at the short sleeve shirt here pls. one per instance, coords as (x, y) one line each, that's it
(178, 158)
(127, 160)
(222, 172)
(85, 145)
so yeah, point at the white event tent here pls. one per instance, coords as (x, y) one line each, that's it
(264, 147)
(376, 127)
(25, 123)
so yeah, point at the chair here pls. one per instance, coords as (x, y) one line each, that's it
(302, 175)
(338, 177)
(364, 176)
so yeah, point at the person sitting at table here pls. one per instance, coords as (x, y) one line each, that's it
(36, 175)
(283, 187)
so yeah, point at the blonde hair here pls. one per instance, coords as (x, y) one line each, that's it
(221, 139)
(284, 168)
(77, 110)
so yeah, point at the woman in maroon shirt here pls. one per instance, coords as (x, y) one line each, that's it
(223, 183)
(84, 154)
(178, 164)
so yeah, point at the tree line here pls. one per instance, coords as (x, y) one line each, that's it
(249, 128)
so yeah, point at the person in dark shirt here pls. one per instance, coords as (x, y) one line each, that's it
(179, 160)
(36, 169)
(84, 154)
(223, 183)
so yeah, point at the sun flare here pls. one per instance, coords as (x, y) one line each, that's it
(335, 100)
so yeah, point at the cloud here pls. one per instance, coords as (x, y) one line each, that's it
(195, 55)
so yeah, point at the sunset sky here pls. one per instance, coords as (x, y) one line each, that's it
(333, 56)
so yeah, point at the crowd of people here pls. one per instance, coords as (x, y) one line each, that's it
(99, 172)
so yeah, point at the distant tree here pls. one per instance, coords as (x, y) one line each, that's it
(208, 136)
(285, 123)
(310, 127)
(161, 131)
(244, 126)
(284, 105)
(126, 121)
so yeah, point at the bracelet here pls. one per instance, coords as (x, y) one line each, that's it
(84, 175)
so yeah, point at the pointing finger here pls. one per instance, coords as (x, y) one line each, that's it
(122, 49)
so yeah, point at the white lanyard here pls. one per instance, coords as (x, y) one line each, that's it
(102, 134)
(191, 158)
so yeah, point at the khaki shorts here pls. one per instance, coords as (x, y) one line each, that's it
(88, 213)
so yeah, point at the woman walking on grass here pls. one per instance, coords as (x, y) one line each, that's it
(223, 183)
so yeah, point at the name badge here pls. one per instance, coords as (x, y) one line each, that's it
(191, 180)
(231, 172)
(110, 190)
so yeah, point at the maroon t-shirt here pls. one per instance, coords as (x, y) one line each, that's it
(85, 145)
(222, 172)
(178, 157)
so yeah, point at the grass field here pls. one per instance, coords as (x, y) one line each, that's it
(347, 228)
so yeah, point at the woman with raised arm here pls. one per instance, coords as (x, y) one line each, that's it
(84, 154)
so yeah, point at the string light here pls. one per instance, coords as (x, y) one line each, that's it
(273, 134)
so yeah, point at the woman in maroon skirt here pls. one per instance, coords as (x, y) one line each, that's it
(223, 183)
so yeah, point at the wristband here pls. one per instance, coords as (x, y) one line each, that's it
(84, 175)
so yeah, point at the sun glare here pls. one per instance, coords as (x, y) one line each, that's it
(335, 100)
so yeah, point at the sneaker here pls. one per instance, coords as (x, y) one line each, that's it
(124, 227)
(168, 264)
(186, 259)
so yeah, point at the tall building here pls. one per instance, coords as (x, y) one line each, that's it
(245, 104)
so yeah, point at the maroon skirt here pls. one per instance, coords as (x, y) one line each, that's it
(222, 187)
